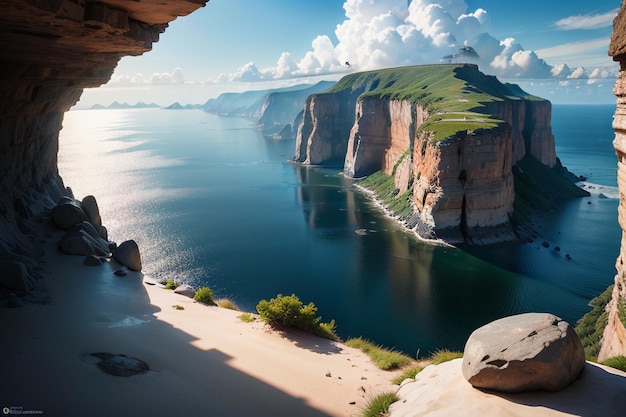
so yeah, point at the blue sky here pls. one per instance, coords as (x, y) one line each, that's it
(554, 49)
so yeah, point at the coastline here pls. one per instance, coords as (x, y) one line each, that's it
(202, 359)
(389, 214)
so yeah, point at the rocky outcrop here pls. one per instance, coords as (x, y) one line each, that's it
(525, 352)
(614, 338)
(461, 180)
(441, 390)
(49, 51)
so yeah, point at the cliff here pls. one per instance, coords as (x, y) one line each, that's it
(49, 51)
(614, 337)
(274, 110)
(448, 135)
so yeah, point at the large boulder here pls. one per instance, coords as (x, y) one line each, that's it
(127, 253)
(83, 239)
(90, 207)
(68, 213)
(526, 352)
(186, 290)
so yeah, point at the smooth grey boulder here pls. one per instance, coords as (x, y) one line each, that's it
(127, 253)
(14, 277)
(185, 290)
(525, 352)
(68, 213)
(90, 207)
(83, 239)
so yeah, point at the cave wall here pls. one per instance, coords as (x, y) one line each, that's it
(50, 50)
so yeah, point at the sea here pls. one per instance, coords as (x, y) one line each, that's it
(213, 203)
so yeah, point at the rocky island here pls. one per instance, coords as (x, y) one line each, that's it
(458, 155)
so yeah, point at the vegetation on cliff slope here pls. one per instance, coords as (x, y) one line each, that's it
(537, 186)
(455, 95)
(591, 326)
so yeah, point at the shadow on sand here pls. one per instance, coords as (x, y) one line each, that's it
(95, 311)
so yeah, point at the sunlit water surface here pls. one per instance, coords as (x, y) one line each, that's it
(211, 202)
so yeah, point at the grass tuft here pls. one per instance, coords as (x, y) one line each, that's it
(408, 373)
(384, 359)
(170, 284)
(227, 303)
(247, 317)
(178, 307)
(444, 355)
(378, 406)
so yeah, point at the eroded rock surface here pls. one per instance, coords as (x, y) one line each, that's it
(614, 337)
(525, 352)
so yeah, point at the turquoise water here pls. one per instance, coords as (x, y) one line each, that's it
(211, 202)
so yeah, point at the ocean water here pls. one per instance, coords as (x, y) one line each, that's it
(211, 202)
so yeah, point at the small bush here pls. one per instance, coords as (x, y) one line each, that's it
(226, 303)
(618, 362)
(378, 406)
(204, 295)
(445, 355)
(170, 284)
(407, 374)
(178, 307)
(384, 359)
(288, 311)
(247, 318)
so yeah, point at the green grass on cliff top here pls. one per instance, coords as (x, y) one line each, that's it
(455, 94)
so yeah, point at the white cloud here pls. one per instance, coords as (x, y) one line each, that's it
(139, 79)
(588, 21)
(386, 33)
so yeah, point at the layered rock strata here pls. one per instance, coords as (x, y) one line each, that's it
(462, 184)
(49, 51)
(614, 337)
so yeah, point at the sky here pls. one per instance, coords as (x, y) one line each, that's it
(554, 49)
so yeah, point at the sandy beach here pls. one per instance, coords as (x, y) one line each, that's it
(203, 360)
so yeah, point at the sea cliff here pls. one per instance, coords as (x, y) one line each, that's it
(614, 337)
(451, 138)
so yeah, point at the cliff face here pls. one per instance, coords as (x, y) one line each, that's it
(49, 51)
(614, 337)
(462, 182)
(326, 118)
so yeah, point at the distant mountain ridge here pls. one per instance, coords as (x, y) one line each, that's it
(118, 105)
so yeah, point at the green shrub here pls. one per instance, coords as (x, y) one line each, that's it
(226, 303)
(378, 406)
(170, 284)
(445, 355)
(178, 307)
(288, 311)
(407, 373)
(618, 362)
(204, 295)
(384, 359)
(246, 317)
